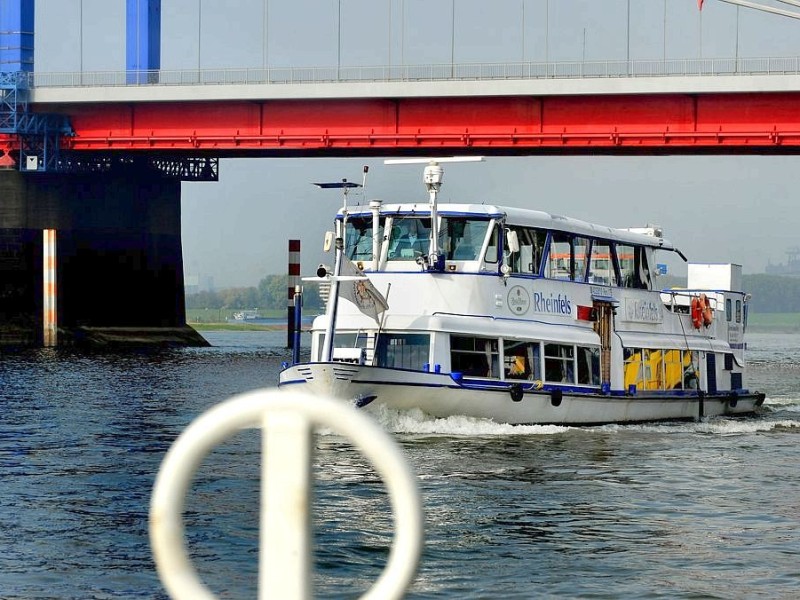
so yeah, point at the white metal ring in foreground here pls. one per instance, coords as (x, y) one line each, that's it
(287, 419)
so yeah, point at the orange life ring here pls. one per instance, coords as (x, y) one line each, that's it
(697, 313)
(705, 306)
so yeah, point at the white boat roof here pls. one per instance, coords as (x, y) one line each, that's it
(524, 217)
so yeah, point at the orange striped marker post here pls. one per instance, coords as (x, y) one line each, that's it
(293, 281)
(49, 300)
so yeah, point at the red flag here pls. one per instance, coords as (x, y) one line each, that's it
(699, 4)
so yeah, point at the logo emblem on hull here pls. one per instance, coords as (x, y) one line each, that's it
(518, 300)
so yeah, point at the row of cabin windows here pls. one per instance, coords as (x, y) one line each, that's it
(645, 368)
(577, 258)
(481, 357)
(525, 360)
(570, 257)
(652, 369)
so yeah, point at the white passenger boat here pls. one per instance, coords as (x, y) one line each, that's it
(522, 317)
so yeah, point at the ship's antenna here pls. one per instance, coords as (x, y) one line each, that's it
(433, 176)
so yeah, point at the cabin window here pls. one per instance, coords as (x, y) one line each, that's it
(633, 269)
(358, 237)
(738, 311)
(588, 365)
(345, 340)
(474, 356)
(409, 238)
(461, 238)
(559, 363)
(673, 369)
(351, 340)
(728, 310)
(642, 368)
(521, 360)
(403, 350)
(691, 369)
(568, 258)
(601, 265)
(531, 247)
(650, 369)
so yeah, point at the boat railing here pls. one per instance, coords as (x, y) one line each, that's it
(679, 300)
(288, 420)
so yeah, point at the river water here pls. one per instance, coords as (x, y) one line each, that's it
(688, 510)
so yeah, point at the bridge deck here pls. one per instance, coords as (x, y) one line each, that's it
(483, 109)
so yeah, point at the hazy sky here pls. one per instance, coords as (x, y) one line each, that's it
(724, 208)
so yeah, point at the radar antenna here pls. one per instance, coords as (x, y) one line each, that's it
(432, 177)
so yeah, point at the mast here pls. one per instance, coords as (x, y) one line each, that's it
(333, 299)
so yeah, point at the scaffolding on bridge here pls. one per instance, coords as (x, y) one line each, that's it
(39, 134)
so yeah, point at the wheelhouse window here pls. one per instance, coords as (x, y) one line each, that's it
(474, 356)
(409, 238)
(493, 248)
(403, 350)
(358, 237)
(462, 238)
(531, 247)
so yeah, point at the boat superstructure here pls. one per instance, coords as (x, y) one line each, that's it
(521, 316)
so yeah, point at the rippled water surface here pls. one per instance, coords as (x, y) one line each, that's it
(690, 510)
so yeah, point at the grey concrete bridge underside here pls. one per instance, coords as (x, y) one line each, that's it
(119, 258)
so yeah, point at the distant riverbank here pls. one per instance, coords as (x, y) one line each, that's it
(243, 326)
(764, 322)
(774, 322)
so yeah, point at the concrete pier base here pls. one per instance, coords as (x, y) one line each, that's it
(119, 265)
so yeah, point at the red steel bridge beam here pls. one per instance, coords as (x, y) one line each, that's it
(625, 124)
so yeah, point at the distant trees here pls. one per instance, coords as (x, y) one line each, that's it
(770, 294)
(271, 294)
(773, 293)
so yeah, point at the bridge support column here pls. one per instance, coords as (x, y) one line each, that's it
(119, 275)
(16, 35)
(143, 40)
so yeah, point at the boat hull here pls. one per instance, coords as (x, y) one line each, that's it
(516, 403)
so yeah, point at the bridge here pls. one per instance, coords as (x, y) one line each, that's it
(688, 106)
(121, 142)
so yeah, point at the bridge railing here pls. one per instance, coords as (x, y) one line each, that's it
(431, 72)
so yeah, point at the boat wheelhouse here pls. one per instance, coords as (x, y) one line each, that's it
(521, 316)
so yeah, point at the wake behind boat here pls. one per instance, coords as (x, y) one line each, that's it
(522, 317)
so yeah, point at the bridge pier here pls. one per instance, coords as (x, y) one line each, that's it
(119, 272)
